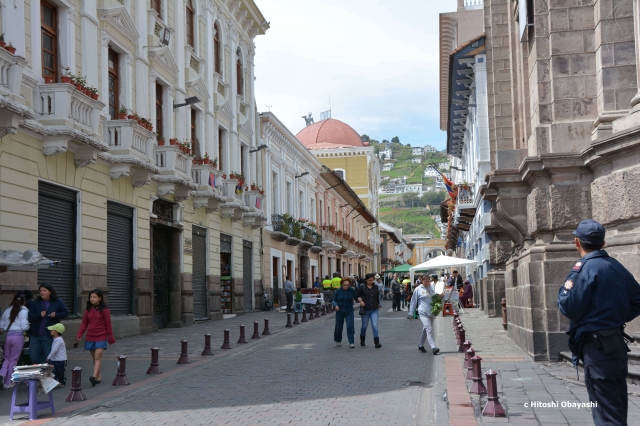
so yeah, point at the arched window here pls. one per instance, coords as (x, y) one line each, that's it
(216, 49)
(240, 80)
(190, 23)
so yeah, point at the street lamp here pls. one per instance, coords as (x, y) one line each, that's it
(188, 101)
(301, 174)
(260, 148)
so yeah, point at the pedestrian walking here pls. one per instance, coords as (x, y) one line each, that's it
(96, 321)
(343, 301)
(395, 292)
(14, 322)
(378, 282)
(599, 296)
(58, 355)
(46, 310)
(421, 300)
(289, 289)
(369, 299)
(336, 283)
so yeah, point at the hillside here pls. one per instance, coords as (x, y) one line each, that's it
(402, 156)
(410, 220)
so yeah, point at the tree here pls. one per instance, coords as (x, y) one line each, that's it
(383, 156)
(365, 138)
(385, 141)
(395, 139)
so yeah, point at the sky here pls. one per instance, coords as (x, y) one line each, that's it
(374, 63)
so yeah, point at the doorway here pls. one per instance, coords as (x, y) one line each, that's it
(200, 296)
(247, 274)
(275, 265)
(161, 274)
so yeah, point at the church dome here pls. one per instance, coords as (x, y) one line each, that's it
(330, 133)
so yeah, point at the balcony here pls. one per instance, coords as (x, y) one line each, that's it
(280, 230)
(208, 181)
(328, 239)
(174, 172)
(254, 217)
(131, 148)
(68, 118)
(316, 246)
(233, 205)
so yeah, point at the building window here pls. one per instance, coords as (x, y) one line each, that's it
(159, 117)
(239, 79)
(113, 83)
(216, 49)
(190, 22)
(155, 5)
(49, 30)
(274, 193)
(195, 145)
(288, 195)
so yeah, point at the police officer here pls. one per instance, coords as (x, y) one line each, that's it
(599, 296)
(326, 289)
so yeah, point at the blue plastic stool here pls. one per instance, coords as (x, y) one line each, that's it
(33, 405)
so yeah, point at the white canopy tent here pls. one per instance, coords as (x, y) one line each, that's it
(440, 262)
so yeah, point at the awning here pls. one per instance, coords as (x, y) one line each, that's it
(344, 190)
(440, 262)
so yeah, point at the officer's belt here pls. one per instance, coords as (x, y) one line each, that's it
(592, 336)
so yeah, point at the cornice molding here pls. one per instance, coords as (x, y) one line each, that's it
(119, 18)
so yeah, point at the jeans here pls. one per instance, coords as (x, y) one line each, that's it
(427, 331)
(341, 317)
(12, 351)
(373, 316)
(289, 300)
(39, 348)
(403, 299)
(58, 371)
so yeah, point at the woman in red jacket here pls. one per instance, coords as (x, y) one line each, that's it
(97, 323)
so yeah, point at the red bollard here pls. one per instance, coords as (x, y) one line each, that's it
(317, 311)
(466, 345)
(295, 319)
(288, 321)
(207, 345)
(154, 368)
(310, 313)
(121, 375)
(76, 393)
(478, 386)
(225, 344)
(467, 358)
(324, 309)
(266, 332)
(184, 354)
(470, 353)
(256, 333)
(304, 316)
(461, 348)
(242, 338)
(493, 407)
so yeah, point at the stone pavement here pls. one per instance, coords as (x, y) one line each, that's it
(295, 376)
(520, 380)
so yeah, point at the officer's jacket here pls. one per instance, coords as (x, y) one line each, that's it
(598, 294)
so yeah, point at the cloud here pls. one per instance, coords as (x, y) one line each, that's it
(376, 60)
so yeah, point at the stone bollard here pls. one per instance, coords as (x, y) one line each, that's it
(478, 386)
(288, 321)
(184, 353)
(310, 313)
(295, 319)
(470, 354)
(467, 358)
(226, 344)
(324, 309)
(76, 393)
(317, 311)
(265, 331)
(154, 368)
(256, 332)
(242, 338)
(121, 375)
(207, 345)
(458, 329)
(504, 313)
(304, 316)
(493, 407)
(461, 348)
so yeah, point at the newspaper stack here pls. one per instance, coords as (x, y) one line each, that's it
(40, 372)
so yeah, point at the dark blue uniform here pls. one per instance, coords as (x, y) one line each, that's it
(599, 296)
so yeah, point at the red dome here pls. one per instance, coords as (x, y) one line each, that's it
(329, 132)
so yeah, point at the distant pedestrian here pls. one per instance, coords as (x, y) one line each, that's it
(97, 323)
(403, 288)
(289, 290)
(14, 322)
(456, 280)
(46, 310)
(599, 296)
(467, 293)
(378, 282)
(395, 293)
(421, 300)
(369, 298)
(316, 283)
(58, 355)
(343, 301)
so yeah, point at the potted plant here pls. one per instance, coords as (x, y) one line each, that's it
(232, 175)
(173, 141)
(49, 79)
(66, 76)
(214, 162)
(131, 115)
(94, 93)
(160, 140)
(10, 48)
(122, 113)
(2, 42)
(206, 158)
(77, 81)
(339, 233)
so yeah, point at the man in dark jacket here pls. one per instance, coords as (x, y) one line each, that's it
(395, 291)
(456, 280)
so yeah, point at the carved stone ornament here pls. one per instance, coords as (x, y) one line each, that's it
(164, 58)
(165, 191)
(85, 162)
(53, 150)
(90, 17)
(119, 18)
(247, 128)
(4, 131)
(118, 175)
(225, 110)
(198, 87)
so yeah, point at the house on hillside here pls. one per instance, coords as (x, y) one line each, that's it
(429, 172)
(445, 165)
(385, 154)
(416, 160)
(413, 187)
(418, 150)
(430, 149)
(387, 167)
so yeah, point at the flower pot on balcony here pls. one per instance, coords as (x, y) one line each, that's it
(3, 44)
(122, 116)
(160, 142)
(78, 86)
(173, 141)
(95, 96)
(65, 79)
(87, 92)
(11, 49)
(49, 79)
(131, 117)
(207, 161)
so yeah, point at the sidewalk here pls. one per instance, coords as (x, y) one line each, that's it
(520, 380)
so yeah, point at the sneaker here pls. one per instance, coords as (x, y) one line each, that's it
(436, 350)
(422, 349)
(352, 346)
(338, 344)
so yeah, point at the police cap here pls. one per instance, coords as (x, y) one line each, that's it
(590, 232)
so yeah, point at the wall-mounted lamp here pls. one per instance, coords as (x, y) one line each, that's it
(260, 148)
(455, 168)
(302, 174)
(189, 101)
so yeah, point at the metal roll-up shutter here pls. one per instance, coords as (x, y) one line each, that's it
(120, 258)
(57, 215)
(199, 273)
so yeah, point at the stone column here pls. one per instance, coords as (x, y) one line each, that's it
(89, 25)
(633, 118)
